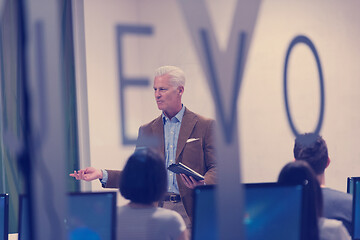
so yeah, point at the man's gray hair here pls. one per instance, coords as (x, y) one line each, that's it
(177, 76)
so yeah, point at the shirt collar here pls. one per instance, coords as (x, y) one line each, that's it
(179, 116)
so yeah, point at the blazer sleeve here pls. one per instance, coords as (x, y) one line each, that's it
(209, 154)
(113, 179)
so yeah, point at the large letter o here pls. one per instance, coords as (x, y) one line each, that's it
(307, 41)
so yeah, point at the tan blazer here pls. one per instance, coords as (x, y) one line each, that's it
(195, 148)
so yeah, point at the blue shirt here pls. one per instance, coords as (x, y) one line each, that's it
(171, 135)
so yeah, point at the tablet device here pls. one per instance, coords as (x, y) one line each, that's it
(182, 168)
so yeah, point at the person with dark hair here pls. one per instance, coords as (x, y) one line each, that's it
(144, 183)
(178, 135)
(312, 148)
(144, 178)
(318, 227)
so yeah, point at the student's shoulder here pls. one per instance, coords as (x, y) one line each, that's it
(166, 212)
(169, 220)
(332, 229)
(167, 215)
(333, 193)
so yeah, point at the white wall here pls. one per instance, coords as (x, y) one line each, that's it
(333, 27)
(266, 139)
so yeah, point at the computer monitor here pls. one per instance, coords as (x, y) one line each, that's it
(91, 215)
(4, 216)
(272, 212)
(353, 187)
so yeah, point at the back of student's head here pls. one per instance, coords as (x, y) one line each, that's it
(144, 178)
(312, 149)
(300, 173)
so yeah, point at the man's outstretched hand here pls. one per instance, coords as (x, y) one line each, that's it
(87, 174)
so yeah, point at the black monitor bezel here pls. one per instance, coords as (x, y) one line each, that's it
(262, 185)
(113, 206)
(6, 215)
(355, 195)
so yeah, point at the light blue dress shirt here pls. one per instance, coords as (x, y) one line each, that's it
(171, 135)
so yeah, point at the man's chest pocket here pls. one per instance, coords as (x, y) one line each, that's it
(193, 154)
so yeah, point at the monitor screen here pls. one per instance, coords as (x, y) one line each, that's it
(353, 187)
(4, 216)
(91, 215)
(266, 205)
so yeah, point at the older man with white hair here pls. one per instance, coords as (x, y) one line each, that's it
(179, 135)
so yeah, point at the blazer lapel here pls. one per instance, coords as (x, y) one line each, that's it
(187, 125)
(158, 131)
